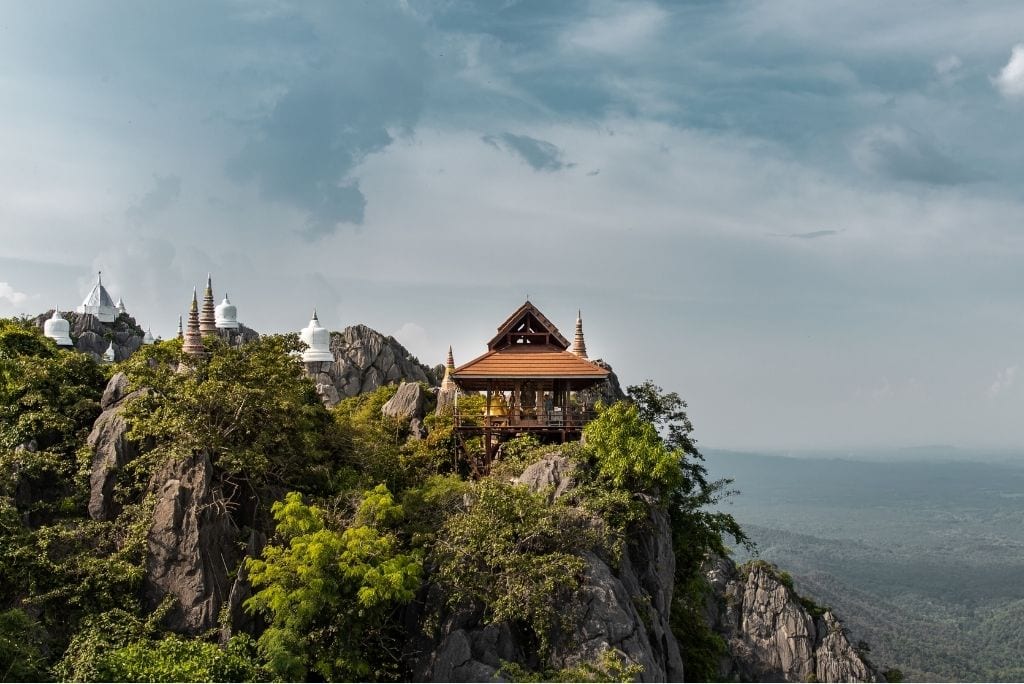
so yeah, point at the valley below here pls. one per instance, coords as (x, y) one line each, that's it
(919, 553)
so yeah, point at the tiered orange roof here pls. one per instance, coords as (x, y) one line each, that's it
(528, 347)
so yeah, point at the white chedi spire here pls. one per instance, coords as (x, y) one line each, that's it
(109, 355)
(58, 329)
(226, 315)
(318, 342)
(120, 306)
(148, 337)
(98, 302)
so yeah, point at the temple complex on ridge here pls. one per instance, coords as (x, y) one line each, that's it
(209, 319)
(529, 378)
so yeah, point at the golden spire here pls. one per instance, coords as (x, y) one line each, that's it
(447, 383)
(193, 338)
(208, 320)
(579, 347)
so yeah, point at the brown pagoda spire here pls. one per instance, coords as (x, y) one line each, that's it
(447, 383)
(208, 319)
(579, 347)
(193, 338)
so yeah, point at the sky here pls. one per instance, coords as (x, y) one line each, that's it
(805, 217)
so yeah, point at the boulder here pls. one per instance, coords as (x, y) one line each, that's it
(407, 402)
(552, 474)
(115, 390)
(192, 550)
(364, 360)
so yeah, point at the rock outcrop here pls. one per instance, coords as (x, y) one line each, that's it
(623, 607)
(111, 448)
(407, 403)
(772, 635)
(364, 360)
(238, 336)
(93, 337)
(193, 554)
(608, 391)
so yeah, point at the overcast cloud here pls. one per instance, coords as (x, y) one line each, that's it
(422, 167)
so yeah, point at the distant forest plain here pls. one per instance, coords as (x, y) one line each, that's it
(920, 552)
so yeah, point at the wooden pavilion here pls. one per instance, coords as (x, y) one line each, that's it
(528, 376)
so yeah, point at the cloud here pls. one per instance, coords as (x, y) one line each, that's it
(361, 87)
(1010, 81)
(539, 154)
(11, 295)
(949, 69)
(617, 32)
(807, 236)
(415, 338)
(902, 153)
(165, 192)
(1004, 380)
(947, 65)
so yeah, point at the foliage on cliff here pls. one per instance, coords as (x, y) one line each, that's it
(360, 517)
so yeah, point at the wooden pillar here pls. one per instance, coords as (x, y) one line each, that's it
(487, 429)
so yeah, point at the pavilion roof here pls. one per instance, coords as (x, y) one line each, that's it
(519, 316)
(529, 362)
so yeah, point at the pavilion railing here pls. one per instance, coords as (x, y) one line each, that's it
(573, 418)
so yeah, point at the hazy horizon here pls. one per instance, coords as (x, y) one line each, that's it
(803, 217)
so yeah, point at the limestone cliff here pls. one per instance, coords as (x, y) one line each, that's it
(622, 607)
(608, 391)
(111, 449)
(774, 635)
(192, 545)
(364, 360)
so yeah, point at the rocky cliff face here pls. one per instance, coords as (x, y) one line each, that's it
(192, 543)
(239, 336)
(111, 449)
(609, 391)
(772, 635)
(92, 337)
(364, 360)
(193, 552)
(624, 607)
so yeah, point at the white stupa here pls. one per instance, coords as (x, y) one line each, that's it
(98, 303)
(109, 355)
(148, 337)
(226, 315)
(58, 329)
(318, 341)
(120, 306)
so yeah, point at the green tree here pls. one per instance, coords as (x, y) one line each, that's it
(178, 659)
(516, 555)
(251, 409)
(628, 452)
(330, 592)
(698, 529)
(21, 642)
(49, 398)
